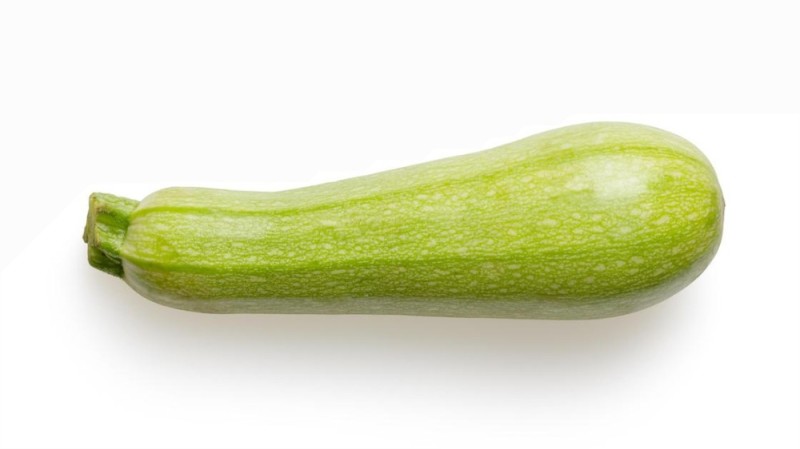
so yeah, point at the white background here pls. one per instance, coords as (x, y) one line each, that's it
(130, 97)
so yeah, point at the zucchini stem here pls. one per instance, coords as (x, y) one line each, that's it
(106, 226)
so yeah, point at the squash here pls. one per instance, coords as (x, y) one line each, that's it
(587, 221)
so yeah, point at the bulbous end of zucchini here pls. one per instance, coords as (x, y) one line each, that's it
(106, 226)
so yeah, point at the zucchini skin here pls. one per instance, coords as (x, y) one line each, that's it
(588, 221)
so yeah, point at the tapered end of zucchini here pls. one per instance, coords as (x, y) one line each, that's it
(106, 226)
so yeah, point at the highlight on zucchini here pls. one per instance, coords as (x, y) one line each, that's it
(587, 221)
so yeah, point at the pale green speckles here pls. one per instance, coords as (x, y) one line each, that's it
(664, 219)
(601, 176)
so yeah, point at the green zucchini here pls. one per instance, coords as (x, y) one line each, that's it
(587, 221)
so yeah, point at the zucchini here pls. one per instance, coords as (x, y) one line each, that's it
(587, 221)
